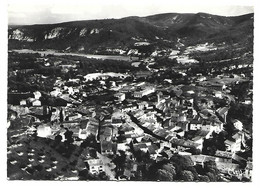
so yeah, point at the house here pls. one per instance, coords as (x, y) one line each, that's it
(140, 146)
(88, 153)
(218, 94)
(153, 151)
(216, 85)
(170, 136)
(161, 132)
(106, 147)
(83, 134)
(188, 101)
(248, 170)
(205, 134)
(146, 91)
(184, 153)
(247, 100)
(37, 95)
(142, 105)
(126, 129)
(166, 153)
(201, 159)
(92, 126)
(198, 140)
(237, 124)
(239, 137)
(198, 159)
(122, 146)
(232, 145)
(73, 116)
(224, 154)
(138, 113)
(120, 96)
(185, 143)
(180, 132)
(195, 125)
(36, 102)
(207, 125)
(182, 125)
(44, 130)
(148, 116)
(95, 166)
(23, 103)
(201, 78)
(218, 126)
(143, 74)
(56, 92)
(222, 112)
(165, 144)
(127, 89)
(106, 133)
(182, 118)
(129, 107)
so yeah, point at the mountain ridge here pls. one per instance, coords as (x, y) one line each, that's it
(159, 29)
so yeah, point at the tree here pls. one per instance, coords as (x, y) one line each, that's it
(211, 176)
(61, 115)
(90, 141)
(210, 166)
(58, 139)
(69, 147)
(119, 161)
(83, 174)
(103, 176)
(164, 175)
(194, 150)
(204, 178)
(194, 172)
(171, 169)
(212, 171)
(181, 162)
(187, 175)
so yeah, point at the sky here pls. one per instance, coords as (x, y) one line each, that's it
(29, 12)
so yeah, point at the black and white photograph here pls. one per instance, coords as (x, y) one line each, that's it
(140, 91)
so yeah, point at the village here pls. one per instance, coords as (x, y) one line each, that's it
(120, 119)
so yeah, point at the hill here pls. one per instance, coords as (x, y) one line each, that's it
(161, 30)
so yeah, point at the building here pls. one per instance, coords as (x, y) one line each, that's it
(222, 112)
(44, 130)
(201, 159)
(106, 133)
(145, 91)
(143, 74)
(92, 126)
(23, 103)
(120, 96)
(142, 105)
(37, 94)
(107, 147)
(83, 134)
(224, 154)
(36, 103)
(233, 145)
(95, 166)
(195, 125)
(238, 124)
(140, 146)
